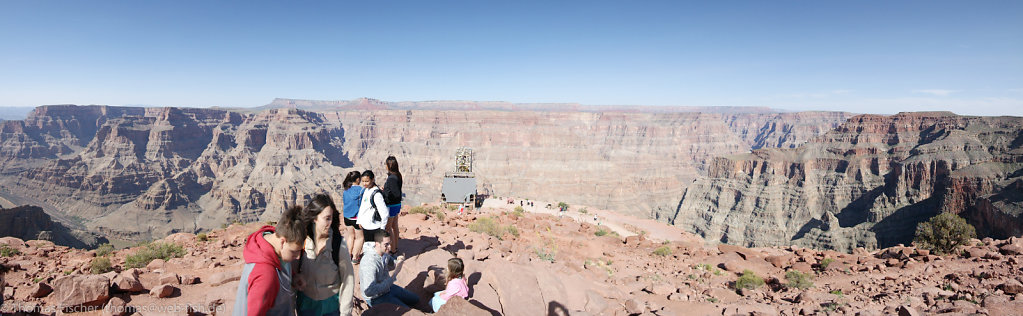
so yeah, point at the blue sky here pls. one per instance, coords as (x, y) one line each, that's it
(858, 56)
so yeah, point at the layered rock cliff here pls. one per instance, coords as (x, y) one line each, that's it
(31, 222)
(865, 184)
(140, 173)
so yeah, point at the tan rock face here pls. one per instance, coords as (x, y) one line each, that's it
(142, 173)
(78, 291)
(865, 184)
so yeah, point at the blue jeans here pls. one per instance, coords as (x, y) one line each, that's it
(397, 296)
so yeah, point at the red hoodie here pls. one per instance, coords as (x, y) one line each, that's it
(261, 277)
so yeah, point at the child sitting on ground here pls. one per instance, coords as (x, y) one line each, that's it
(456, 285)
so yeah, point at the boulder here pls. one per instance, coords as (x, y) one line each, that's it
(13, 242)
(1011, 250)
(40, 289)
(634, 306)
(128, 281)
(457, 306)
(116, 307)
(155, 264)
(1011, 287)
(170, 278)
(224, 277)
(71, 292)
(165, 290)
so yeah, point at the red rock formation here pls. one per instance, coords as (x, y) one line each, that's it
(141, 173)
(876, 175)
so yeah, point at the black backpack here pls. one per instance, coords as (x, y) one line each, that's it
(373, 203)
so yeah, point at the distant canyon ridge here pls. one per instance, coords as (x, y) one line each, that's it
(748, 176)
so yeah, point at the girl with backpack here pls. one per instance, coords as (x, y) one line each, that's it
(352, 198)
(392, 196)
(373, 212)
(326, 279)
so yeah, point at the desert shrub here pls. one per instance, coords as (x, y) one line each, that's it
(100, 265)
(563, 204)
(512, 230)
(708, 268)
(418, 210)
(489, 226)
(825, 263)
(600, 232)
(798, 280)
(452, 207)
(663, 251)
(7, 251)
(584, 211)
(519, 211)
(748, 280)
(486, 225)
(202, 237)
(943, 233)
(104, 249)
(153, 251)
(546, 254)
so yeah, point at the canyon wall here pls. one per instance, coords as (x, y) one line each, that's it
(865, 184)
(141, 173)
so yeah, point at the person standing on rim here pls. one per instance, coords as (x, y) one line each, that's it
(392, 196)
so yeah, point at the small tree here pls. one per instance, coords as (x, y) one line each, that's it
(943, 233)
(562, 205)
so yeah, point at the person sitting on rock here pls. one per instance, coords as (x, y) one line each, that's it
(376, 284)
(265, 286)
(352, 198)
(456, 285)
(326, 278)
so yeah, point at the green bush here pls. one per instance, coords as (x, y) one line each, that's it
(202, 237)
(563, 204)
(7, 251)
(943, 233)
(546, 254)
(100, 265)
(748, 280)
(488, 225)
(152, 251)
(663, 251)
(584, 211)
(798, 280)
(825, 263)
(512, 230)
(519, 211)
(708, 268)
(600, 232)
(104, 249)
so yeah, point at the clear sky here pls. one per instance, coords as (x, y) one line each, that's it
(859, 56)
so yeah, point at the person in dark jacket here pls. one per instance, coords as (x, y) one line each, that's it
(392, 196)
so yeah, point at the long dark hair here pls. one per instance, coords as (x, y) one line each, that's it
(352, 178)
(392, 166)
(316, 206)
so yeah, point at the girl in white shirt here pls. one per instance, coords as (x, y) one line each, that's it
(373, 211)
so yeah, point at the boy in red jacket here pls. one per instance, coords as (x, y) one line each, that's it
(265, 286)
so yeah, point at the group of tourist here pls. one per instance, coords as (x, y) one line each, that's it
(303, 264)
